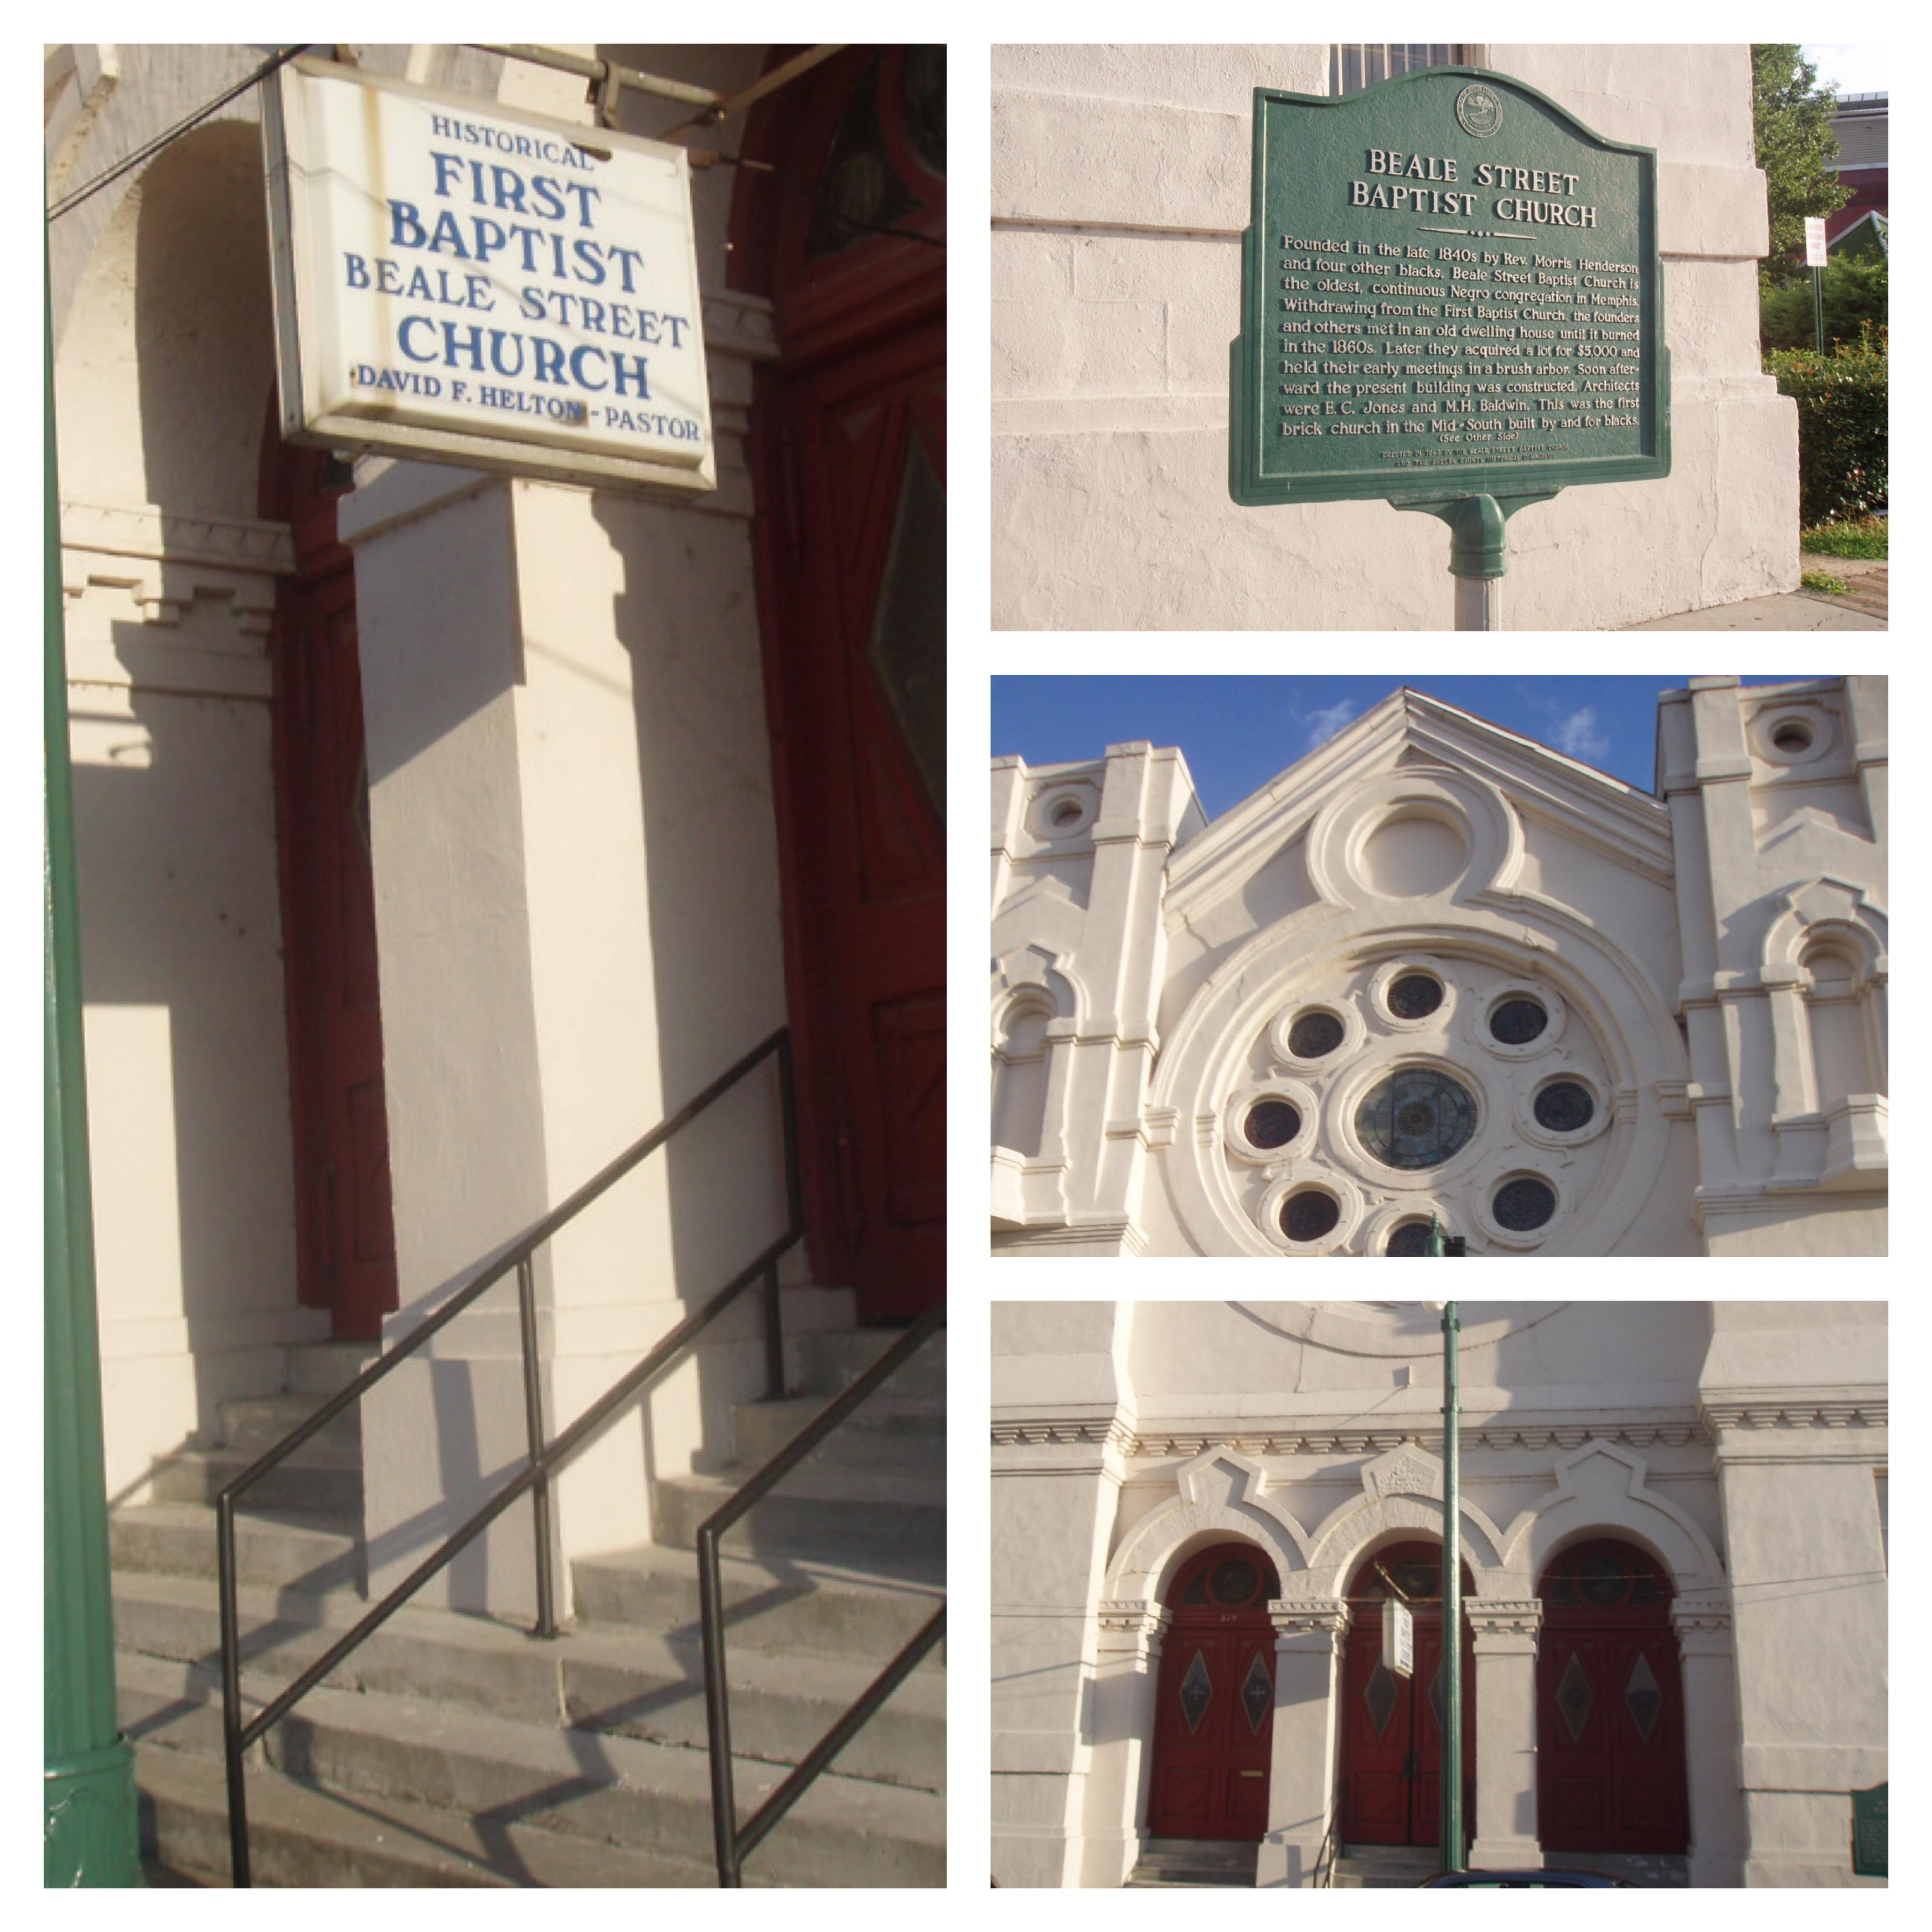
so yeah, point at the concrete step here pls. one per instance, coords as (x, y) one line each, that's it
(833, 1359)
(326, 1368)
(855, 1515)
(1194, 1862)
(605, 1677)
(1384, 1868)
(652, 1799)
(300, 1836)
(258, 1423)
(323, 1482)
(296, 1551)
(887, 1432)
(772, 1603)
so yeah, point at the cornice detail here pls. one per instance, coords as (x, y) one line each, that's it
(1500, 1616)
(1156, 1444)
(1113, 1434)
(1806, 1412)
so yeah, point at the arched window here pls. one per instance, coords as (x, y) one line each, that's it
(1019, 1076)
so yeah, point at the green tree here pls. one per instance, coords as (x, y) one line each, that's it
(1792, 116)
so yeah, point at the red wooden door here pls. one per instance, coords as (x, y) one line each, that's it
(1609, 1728)
(345, 1236)
(1392, 1726)
(1214, 1713)
(849, 446)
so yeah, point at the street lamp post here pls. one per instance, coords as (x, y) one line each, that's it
(1454, 1858)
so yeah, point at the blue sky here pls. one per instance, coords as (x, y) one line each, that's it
(1237, 732)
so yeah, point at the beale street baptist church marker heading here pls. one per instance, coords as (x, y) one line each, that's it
(1451, 297)
(460, 283)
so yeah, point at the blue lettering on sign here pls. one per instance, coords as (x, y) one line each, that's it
(501, 215)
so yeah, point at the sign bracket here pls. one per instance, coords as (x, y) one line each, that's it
(1478, 547)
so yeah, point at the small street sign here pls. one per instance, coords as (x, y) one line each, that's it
(1868, 1832)
(1398, 1637)
(1814, 241)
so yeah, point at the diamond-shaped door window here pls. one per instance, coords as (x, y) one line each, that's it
(1380, 1695)
(1572, 1697)
(908, 644)
(1643, 1697)
(1257, 1693)
(1196, 1688)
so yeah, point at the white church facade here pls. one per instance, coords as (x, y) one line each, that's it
(1437, 969)
(1673, 1527)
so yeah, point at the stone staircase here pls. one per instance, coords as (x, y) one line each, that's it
(1194, 1862)
(1380, 1867)
(451, 1749)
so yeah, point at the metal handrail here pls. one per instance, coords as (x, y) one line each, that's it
(734, 1841)
(545, 1458)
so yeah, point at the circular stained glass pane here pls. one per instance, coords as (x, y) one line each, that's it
(1602, 1579)
(1411, 1238)
(1565, 1106)
(1271, 1124)
(1313, 1035)
(1415, 996)
(1308, 1216)
(1417, 1117)
(1522, 1205)
(1234, 1583)
(1517, 1022)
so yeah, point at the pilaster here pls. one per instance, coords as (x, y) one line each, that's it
(1505, 1633)
(1310, 1636)
(1712, 1770)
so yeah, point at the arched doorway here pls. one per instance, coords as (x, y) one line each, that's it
(1214, 1714)
(345, 1234)
(1392, 1726)
(840, 218)
(1609, 1705)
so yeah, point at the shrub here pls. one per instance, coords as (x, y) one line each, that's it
(1842, 444)
(1856, 292)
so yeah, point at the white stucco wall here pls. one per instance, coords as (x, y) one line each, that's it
(1120, 190)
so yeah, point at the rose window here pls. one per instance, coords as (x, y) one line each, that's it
(1415, 1118)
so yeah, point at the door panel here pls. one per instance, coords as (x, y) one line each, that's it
(854, 446)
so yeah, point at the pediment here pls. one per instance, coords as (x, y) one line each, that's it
(1453, 766)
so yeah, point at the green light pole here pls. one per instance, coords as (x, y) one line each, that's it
(1454, 1857)
(91, 1828)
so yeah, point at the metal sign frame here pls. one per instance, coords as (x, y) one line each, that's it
(1398, 1637)
(295, 250)
(1326, 126)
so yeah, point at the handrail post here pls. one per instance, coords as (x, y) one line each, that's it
(717, 1710)
(239, 1870)
(526, 1308)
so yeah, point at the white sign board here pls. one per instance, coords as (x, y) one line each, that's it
(459, 283)
(1814, 241)
(1398, 1637)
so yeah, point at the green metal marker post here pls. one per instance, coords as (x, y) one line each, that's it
(91, 1828)
(1452, 299)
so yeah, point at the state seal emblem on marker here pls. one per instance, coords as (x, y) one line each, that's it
(1480, 110)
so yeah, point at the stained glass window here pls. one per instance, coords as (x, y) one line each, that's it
(1257, 1693)
(1196, 1689)
(1314, 1034)
(1234, 1583)
(1411, 1238)
(1572, 1697)
(1417, 1117)
(1643, 1697)
(1308, 1216)
(1565, 1106)
(1603, 1580)
(1523, 1204)
(1380, 1694)
(1516, 1022)
(1271, 1124)
(1415, 996)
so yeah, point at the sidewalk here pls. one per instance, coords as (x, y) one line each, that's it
(1864, 606)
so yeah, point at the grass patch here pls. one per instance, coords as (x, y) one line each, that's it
(1829, 587)
(1866, 537)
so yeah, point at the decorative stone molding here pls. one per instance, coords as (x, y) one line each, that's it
(1295, 1620)
(1131, 1629)
(1047, 1432)
(1867, 1411)
(145, 530)
(1149, 1444)
(1500, 1616)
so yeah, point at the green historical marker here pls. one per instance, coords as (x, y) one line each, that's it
(1869, 1831)
(1451, 298)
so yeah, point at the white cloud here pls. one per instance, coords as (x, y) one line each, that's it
(1322, 725)
(1578, 735)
